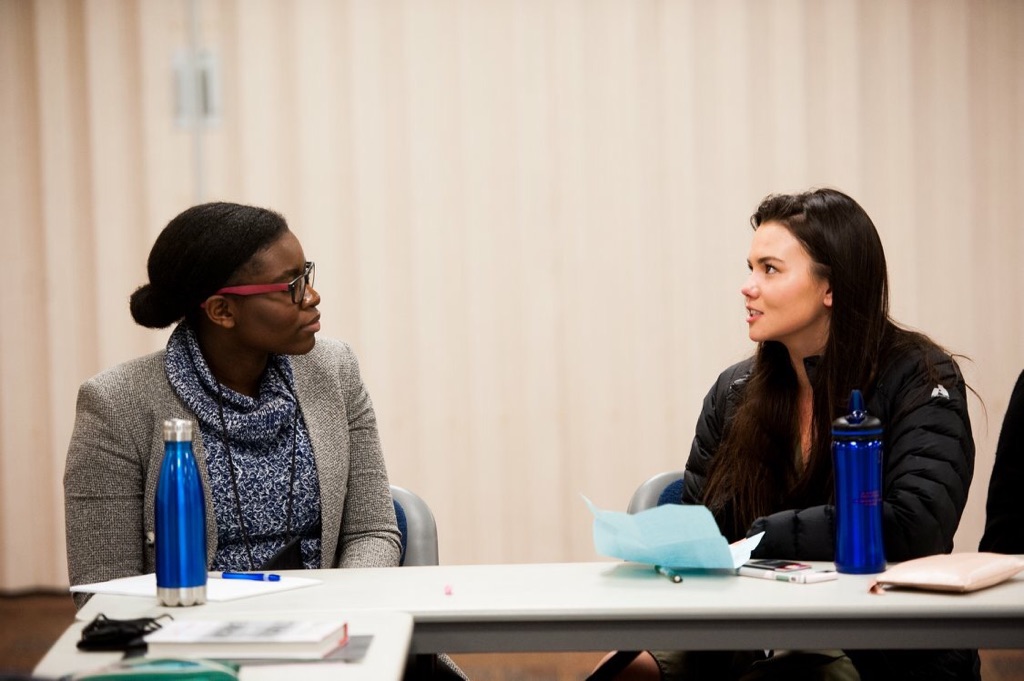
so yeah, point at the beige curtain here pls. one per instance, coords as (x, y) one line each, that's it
(529, 218)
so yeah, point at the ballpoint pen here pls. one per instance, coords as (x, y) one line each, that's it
(669, 572)
(254, 576)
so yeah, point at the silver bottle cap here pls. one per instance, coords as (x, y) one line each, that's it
(183, 596)
(177, 430)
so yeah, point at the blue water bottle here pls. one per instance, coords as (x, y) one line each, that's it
(180, 521)
(857, 461)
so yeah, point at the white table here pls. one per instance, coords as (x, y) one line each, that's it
(384, 660)
(615, 605)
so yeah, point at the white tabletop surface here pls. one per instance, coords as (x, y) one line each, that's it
(609, 605)
(384, 660)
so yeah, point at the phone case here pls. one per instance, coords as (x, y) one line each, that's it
(777, 565)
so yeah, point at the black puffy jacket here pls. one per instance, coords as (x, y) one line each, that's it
(928, 454)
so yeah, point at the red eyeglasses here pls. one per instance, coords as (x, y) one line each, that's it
(296, 287)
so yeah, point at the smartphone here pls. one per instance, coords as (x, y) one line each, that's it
(771, 568)
(786, 571)
(777, 565)
(807, 576)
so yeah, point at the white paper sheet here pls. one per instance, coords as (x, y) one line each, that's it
(671, 535)
(217, 589)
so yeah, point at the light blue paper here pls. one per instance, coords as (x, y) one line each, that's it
(670, 535)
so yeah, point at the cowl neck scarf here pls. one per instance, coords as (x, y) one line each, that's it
(249, 420)
(261, 431)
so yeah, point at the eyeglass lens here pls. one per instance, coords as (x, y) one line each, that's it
(299, 284)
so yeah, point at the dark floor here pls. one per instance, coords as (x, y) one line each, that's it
(30, 623)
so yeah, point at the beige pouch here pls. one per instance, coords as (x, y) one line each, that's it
(957, 572)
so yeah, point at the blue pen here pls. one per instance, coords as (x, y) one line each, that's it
(254, 576)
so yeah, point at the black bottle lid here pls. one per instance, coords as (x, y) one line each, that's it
(858, 423)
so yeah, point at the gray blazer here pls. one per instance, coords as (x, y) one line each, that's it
(117, 446)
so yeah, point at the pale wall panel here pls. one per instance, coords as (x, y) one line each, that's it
(223, 152)
(381, 199)
(686, 370)
(65, 199)
(542, 275)
(26, 469)
(946, 200)
(779, 67)
(116, 172)
(833, 89)
(438, 411)
(889, 117)
(322, 213)
(168, 151)
(995, 181)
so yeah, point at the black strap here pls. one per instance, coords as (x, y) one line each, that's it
(104, 633)
(613, 665)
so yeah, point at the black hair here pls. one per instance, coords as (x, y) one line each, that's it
(197, 253)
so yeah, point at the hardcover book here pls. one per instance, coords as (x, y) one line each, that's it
(242, 640)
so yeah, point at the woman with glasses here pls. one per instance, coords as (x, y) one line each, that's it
(285, 435)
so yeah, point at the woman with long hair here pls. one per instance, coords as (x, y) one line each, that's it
(817, 305)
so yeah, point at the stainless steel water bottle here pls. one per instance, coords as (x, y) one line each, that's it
(857, 461)
(180, 521)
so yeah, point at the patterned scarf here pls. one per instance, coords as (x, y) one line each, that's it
(260, 432)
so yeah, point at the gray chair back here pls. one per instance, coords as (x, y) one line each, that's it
(421, 530)
(648, 494)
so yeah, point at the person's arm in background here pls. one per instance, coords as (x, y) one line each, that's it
(929, 463)
(369, 534)
(1004, 508)
(103, 491)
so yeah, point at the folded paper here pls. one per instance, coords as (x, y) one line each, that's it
(670, 535)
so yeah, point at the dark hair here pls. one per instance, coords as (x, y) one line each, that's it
(196, 254)
(754, 470)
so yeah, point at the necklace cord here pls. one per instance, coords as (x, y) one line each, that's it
(234, 475)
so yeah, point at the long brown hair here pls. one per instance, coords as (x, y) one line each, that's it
(754, 471)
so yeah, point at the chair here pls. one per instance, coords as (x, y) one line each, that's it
(663, 488)
(418, 528)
